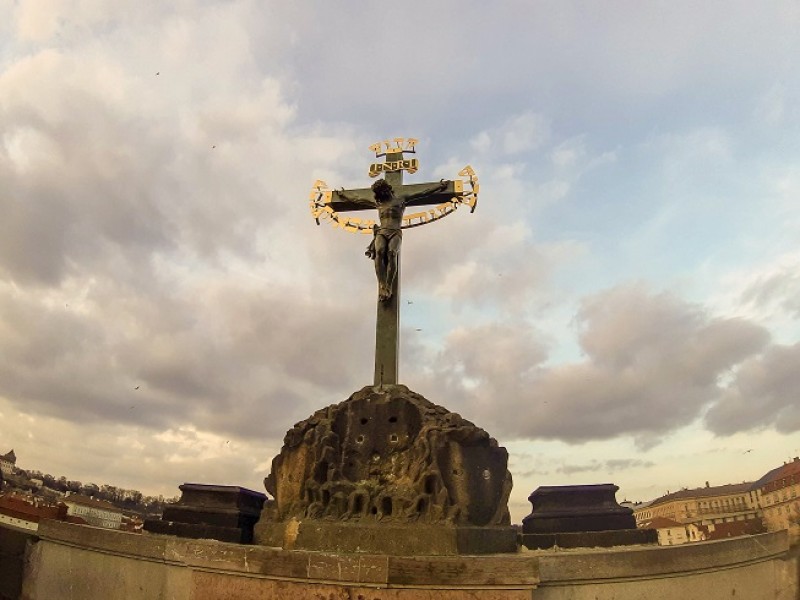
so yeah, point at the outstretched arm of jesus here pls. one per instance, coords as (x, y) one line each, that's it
(363, 201)
(429, 192)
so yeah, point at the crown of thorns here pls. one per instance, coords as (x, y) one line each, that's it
(381, 185)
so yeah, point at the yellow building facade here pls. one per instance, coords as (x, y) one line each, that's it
(707, 505)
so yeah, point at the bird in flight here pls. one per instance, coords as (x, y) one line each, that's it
(136, 388)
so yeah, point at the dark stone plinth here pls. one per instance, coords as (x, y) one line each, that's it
(220, 512)
(589, 539)
(391, 539)
(15, 545)
(576, 508)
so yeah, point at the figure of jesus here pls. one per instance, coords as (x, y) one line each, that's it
(385, 243)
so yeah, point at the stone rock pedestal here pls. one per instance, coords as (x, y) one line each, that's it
(218, 512)
(392, 539)
(388, 472)
(574, 516)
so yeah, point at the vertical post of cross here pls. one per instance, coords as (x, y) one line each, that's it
(387, 330)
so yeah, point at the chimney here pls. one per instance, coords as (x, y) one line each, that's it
(707, 484)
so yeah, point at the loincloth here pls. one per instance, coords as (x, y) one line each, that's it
(388, 233)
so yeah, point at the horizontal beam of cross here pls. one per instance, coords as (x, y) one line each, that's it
(366, 199)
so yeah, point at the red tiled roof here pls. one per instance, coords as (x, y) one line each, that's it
(732, 529)
(736, 528)
(20, 509)
(705, 492)
(774, 479)
(76, 520)
(660, 523)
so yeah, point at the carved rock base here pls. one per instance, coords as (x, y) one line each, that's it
(389, 472)
(396, 540)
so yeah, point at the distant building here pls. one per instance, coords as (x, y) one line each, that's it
(719, 531)
(670, 532)
(8, 462)
(706, 505)
(25, 511)
(709, 513)
(132, 523)
(95, 512)
(778, 491)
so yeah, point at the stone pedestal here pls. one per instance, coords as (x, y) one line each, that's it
(574, 516)
(392, 539)
(388, 472)
(218, 512)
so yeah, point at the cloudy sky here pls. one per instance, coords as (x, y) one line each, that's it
(623, 306)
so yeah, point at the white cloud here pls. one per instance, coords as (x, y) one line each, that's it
(156, 158)
(568, 153)
(653, 362)
(771, 107)
(525, 132)
(763, 394)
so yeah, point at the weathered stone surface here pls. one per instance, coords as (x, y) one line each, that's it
(78, 562)
(576, 508)
(389, 455)
(73, 559)
(199, 531)
(387, 538)
(589, 539)
(386, 455)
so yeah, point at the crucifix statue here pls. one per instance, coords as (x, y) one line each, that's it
(385, 245)
(391, 198)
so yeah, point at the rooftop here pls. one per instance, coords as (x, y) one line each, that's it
(705, 492)
(87, 501)
(660, 523)
(776, 475)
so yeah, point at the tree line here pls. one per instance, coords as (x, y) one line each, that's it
(54, 488)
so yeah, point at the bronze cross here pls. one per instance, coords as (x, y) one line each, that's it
(390, 197)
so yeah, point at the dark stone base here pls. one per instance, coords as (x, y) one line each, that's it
(576, 509)
(589, 539)
(382, 538)
(571, 523)
(200, 531)
(14, 544)
(199, 515)
(217, 512)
